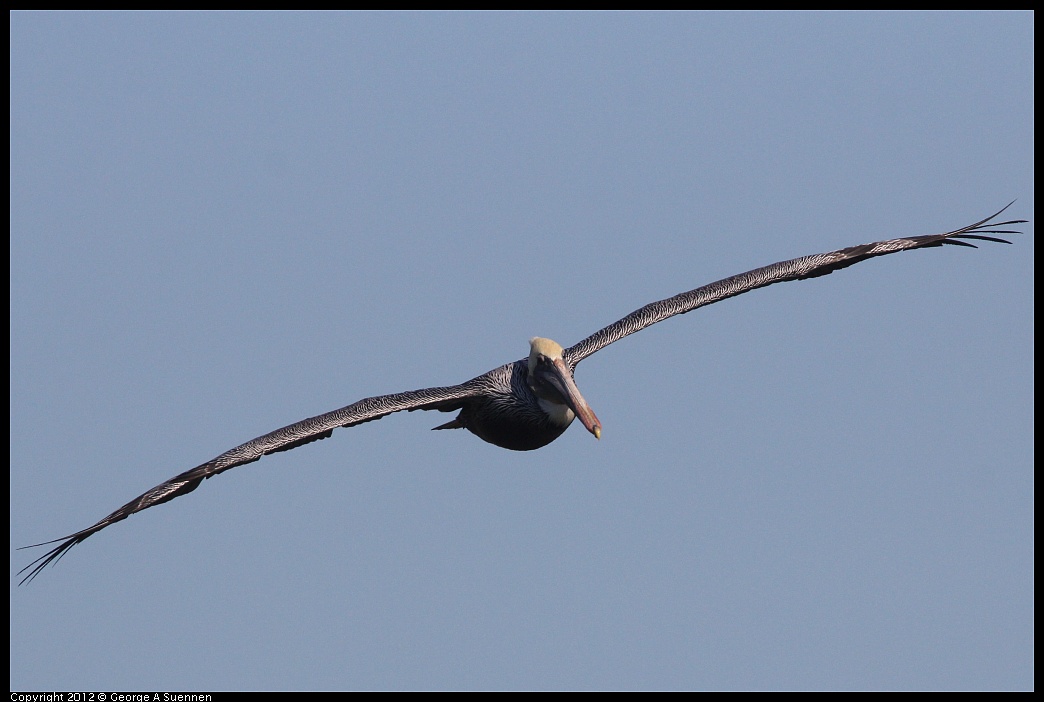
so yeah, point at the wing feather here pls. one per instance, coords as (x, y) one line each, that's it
(289, 437)
(795, 269)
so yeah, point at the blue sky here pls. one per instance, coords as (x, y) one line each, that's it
(223, 223)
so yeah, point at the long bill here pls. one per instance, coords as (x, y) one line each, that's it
(562, 380)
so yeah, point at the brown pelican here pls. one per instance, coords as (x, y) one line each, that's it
(528, 403)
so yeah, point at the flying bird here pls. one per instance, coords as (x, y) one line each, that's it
(528, 403)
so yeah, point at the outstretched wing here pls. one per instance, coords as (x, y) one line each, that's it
(795, 269)
(292, 436)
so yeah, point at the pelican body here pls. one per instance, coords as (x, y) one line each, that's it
(528, 403)
(524, 405)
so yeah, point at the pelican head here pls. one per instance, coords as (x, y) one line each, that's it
(552, 383)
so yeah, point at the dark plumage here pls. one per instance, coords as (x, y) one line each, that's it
(526, 404)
